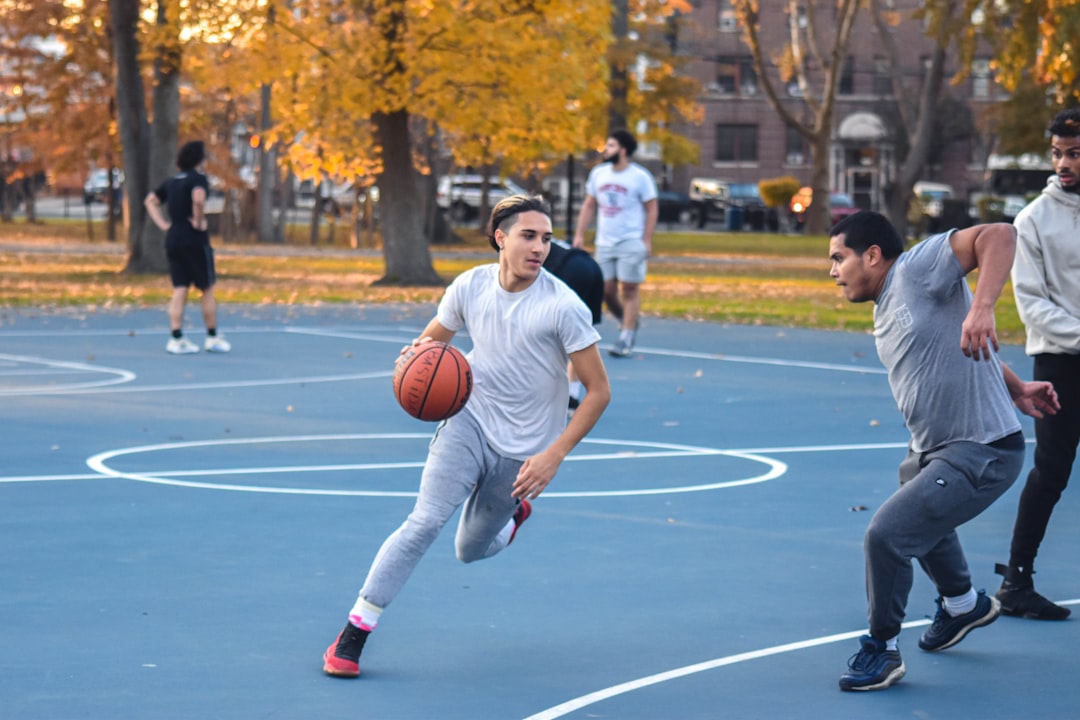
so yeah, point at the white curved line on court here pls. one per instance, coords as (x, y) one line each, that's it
(99, 463)
(121, 376)
(592, 698)
(310, 379)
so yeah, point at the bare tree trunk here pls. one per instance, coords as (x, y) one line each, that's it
(267, 176)
(809, 45)
(917, 125)
(316, 215)
(134, 127)
(408, 257)
(620, 29)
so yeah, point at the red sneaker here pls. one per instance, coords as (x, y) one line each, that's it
(524, 510)
(342, 658)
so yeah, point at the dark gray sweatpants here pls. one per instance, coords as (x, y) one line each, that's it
(939, 491)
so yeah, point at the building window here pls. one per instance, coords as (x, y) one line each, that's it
(736, 143)
(735, 75)
(728, 21)
(798, 151)
(981, 79)
(847, 77)
(882, 81)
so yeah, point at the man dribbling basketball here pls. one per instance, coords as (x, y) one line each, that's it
(505, 446)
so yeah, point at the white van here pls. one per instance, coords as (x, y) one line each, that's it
(931, 195)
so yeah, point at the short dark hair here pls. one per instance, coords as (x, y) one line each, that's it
(626, 139)
(866, 228)
(505, 212)
(191, 155)
(1066, 123)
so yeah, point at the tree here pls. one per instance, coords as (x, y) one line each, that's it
(1035, 45)
(916, 108)
(497, 79)
(813, 57)
(134, 126)
(61, 86)
(1033, 39)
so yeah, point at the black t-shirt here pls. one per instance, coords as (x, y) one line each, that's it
(175, 194)
(576, 268)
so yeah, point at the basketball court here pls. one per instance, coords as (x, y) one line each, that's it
(183, 535)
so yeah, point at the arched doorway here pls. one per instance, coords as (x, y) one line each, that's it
(861, 159)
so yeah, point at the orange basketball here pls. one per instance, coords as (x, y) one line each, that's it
(432, 381)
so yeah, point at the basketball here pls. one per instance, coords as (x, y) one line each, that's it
(432, 381)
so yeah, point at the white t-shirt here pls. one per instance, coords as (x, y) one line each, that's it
(620, 197)
(521, 344)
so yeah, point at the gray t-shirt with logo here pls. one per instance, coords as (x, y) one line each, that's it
(943, 395)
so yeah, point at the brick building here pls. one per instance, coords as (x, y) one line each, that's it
(742, 139)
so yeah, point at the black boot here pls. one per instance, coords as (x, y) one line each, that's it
(1018, 597)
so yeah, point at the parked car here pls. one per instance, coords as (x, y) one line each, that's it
(930, 197)
(461, 194)
(674, 207)
(713, 200)
(96, 187)
(709, 199)
(840, 206)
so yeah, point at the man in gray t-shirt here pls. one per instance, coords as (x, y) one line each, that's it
(938, 343)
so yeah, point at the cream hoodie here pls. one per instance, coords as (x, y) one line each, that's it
(1046, 272)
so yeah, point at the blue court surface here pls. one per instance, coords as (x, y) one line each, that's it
(183, 535)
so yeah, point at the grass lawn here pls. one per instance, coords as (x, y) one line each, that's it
(743, 278)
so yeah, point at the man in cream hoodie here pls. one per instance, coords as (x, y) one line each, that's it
(1046, 280)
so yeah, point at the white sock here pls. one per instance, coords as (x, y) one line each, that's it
(961, 604)
(577, 389)
(364, 615)
(628, 336)
(890, 644)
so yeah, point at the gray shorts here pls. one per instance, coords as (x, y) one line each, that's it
(625, 262)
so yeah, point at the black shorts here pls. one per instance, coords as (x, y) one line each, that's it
(191, 264)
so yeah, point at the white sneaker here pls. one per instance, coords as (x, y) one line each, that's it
(217, 344)
(181, 346)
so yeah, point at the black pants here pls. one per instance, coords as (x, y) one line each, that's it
(1056, 438)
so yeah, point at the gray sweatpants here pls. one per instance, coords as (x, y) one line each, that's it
(939, 491)
(461, 468)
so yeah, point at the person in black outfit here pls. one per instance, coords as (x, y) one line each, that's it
(187, 246)
(577, 269)
(1047, 289)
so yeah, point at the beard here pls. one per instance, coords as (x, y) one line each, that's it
(612, 158)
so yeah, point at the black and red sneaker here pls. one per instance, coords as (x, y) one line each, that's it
(524, 510)
(342, 658)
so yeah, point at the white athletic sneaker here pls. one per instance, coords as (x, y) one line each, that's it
(181, 346)
(217, 344)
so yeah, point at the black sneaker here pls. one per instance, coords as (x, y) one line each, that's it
(1019, 598)
(947, 630)
(873, 667)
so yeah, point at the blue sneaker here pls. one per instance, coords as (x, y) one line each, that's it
(873, 667)
(947, 630)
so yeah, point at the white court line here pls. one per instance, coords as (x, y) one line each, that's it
(122, 376)
(99, 463)
(592, 698)
(348, 335)
(760, 361)
(310, 379)
(44, 478)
